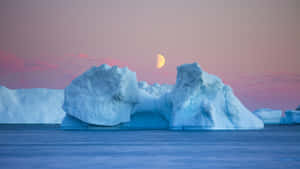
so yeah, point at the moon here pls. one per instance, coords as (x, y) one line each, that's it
(160, 62)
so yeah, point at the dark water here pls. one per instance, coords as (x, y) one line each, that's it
(23, 147)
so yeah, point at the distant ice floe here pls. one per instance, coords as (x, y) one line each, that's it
(31, 106)
(291, 117)
(269, 116)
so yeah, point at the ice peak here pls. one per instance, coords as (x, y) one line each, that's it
(189, 75)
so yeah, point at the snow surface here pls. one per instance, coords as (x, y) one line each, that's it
(156, 89)
(111, 96)
(31, 105)
(269, 116)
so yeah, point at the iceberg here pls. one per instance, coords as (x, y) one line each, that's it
(269, 116)
(102, 96)
(31, 105)
(200, 100)
(112, 97)
(298, 108)
(291, 117)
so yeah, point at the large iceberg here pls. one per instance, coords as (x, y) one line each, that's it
(201, 100)
(107, 96)
(31, 105)
(102, 96)
(269, 116)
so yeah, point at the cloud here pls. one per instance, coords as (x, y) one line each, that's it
(40, 66)
(10, 63)
(81, 55)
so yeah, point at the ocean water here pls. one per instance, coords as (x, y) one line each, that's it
(46, 146)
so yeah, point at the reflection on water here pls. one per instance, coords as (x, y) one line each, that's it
(46, 146)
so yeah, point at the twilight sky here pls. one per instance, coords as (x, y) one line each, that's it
(253, 45)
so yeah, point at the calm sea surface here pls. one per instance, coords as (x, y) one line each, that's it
(46, 146)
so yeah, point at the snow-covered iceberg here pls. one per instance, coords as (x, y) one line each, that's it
(31, 105)
(269, 116)
(111, 96)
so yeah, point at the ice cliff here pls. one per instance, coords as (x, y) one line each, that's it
(112, 96)
(31, 105)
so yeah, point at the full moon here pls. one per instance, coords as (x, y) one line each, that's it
(160, 61)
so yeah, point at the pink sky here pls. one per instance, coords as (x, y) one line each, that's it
(253, 45)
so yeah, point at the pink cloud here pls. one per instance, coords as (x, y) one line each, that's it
(10, 63)
(81, 55)
(40, 66)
